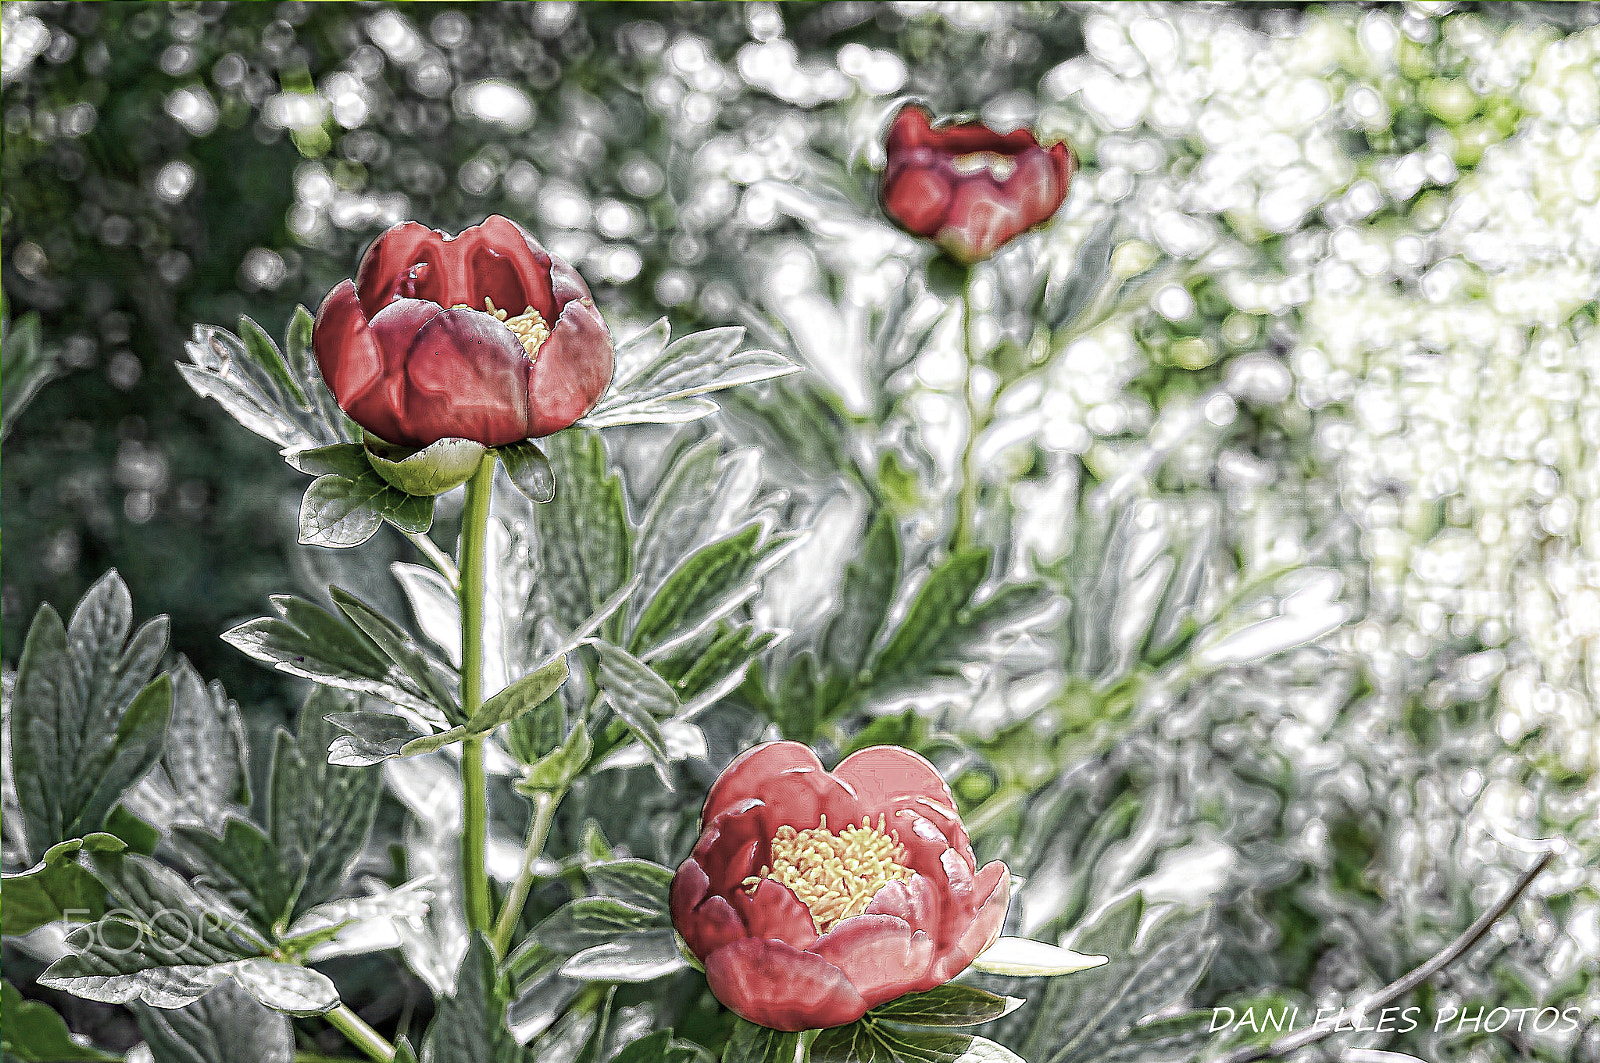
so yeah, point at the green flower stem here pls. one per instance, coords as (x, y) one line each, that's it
(977, 421)
(360, 1034)
(544, 810)
(474, 805)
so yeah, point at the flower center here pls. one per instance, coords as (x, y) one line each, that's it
(1000, 166)
(529, 326)
(835, 875)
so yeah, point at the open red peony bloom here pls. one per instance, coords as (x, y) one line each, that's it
(969, 188)
(813, 896)
(483, 336)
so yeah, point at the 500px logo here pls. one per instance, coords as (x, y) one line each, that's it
(170, 930)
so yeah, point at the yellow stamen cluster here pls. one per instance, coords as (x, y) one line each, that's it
(529, 326)
(835, 875)
(1001, 166)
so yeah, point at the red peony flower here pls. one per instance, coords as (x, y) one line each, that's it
(969, 188)
(483, 336)
(813, 896)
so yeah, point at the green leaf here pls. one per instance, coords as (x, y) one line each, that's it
(636, 882)
(431, 676)
(319, 814)
(638, 695)
(87, 719)
(869, 1042)
(537, 733)
(750, 1043)
(27, 366)
(309, 642)
(431, 470)
(222, 368)
(340, 511)
(701, 496)
(641, 957)
(709, 666)
(58, 887)
(588, 921)
(469, 1026)
(373, 737)
(935, 614)
(947, 1005)
(526, 694)
(336, 459)
(555, 771)
(220, 1026)
(584, 548)
(659, 1047)
(1066, 302)
(692, 366)
(865, 595)
(709, 582)
(261, 348)
(1022, 958)
(33, 1033)
(243, 866)
(529, 470)
(202, 772)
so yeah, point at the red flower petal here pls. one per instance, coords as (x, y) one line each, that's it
(570, 370)
(913, 128)
(779, 986)
(917, 196)
(711, 925)
(912, 900)
(736, 844)
(500, 260)
(891, 775)
(467, 376)
(406, 261)
(985, 926)
(772, 911)
(880, 954)
(790, 779)
(347, 352)
(689, 888)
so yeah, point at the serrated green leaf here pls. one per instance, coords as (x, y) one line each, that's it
(218, 1027)
(58, 887)
(936, 613)
(947, 1005)
(526, 694)
(87, 719)
(372, 737)
(870, 1042)
(429, 675)
(243, 866)
(221, 368)
(32, 1032)
(202, 771)
(689, 367)
(584, 535)
(866, 593)
(341, 511)
(529, 470)
(319, 814)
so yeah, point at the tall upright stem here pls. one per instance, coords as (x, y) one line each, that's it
(474, 806)
(967, 499)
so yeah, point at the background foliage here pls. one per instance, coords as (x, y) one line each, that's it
(1282, 605)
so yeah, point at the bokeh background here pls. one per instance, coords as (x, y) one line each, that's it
(1345, 367)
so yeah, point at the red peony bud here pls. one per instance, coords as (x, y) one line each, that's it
(483, 336)
(967, 187)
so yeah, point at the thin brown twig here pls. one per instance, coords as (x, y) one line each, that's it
(1397, 989)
